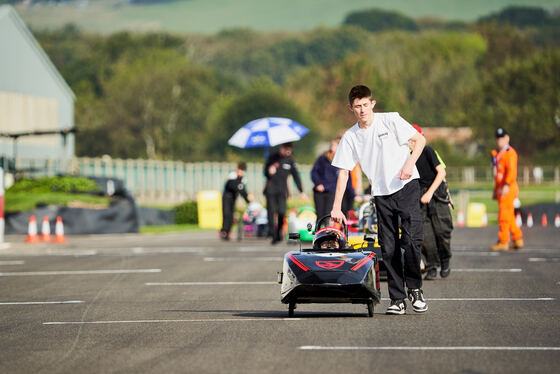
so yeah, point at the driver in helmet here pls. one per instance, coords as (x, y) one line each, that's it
(328, 238)
(330, 244)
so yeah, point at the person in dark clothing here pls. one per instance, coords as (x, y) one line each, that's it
(324, 177)
(234, 186)
(437, 221)
(279, 166)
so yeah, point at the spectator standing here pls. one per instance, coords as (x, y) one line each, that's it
(379, 142)
(506, 190)
(436, 215)
(278, 167)
(324, 177)
(235, 185)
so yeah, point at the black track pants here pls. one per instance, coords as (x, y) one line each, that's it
(228, 205)
(275, 203)
(438, 226)
(403, 204)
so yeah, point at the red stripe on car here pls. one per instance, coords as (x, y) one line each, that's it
(298, 263)
(363, 261)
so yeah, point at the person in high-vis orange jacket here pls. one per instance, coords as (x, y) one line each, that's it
(505, 191)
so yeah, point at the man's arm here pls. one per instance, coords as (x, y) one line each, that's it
(419, 143)
(295, 175)
(244, 194)
(336, 212)
(440, 176)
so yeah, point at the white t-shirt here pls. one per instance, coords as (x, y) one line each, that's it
(381, 149)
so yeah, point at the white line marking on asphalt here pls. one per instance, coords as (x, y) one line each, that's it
(492, 299)
(467, 348)
(243, 259)
(140, 250)
(473, 253)
(80, 272)
(207, 283)
(172, 320)
(488, 270)
(74, 253)
(541, 259)
(254, 249)
(41, 302)
(485, 299)
(16, 262)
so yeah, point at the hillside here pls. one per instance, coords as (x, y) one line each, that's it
(211, 16)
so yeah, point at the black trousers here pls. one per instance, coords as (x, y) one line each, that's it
(228, 205)
(323, 203)
(403, 204)
(438, 225)
(275, 204)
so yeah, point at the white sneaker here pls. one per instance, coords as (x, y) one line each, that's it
(416, 297)
(396, 307)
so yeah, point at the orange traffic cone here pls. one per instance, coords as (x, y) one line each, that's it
(544, 220)
(59, 231)
(32, 236)
(518, 220)
(529, 220)
(46, 230)
(557, 220)
(460, 218)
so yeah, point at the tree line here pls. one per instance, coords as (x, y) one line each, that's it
(180, 97)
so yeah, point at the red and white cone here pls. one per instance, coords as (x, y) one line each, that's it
(529, 220)
(59, 231)
(45, 230)
(32, 236)
(544, 220)
(484, 220)
(460, 218)
(518, 220)
(557, 221)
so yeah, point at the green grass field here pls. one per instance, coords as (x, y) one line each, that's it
(211, 16)
(528, 195)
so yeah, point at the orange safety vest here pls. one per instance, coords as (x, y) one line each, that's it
(505, 167)
(505, 172)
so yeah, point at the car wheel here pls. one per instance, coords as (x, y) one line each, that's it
(291, 309)
(370, 308)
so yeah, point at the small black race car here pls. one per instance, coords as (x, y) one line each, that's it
(330, 271)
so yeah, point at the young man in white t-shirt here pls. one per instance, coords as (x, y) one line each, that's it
(379, 142)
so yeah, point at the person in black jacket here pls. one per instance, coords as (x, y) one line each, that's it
(235, 185)
(437, 221)
(324, 177)
(277, 169)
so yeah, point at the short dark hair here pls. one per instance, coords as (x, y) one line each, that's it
(242, 166)
(287, 145)
(359, 92)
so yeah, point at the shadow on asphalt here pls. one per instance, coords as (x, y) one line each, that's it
(269, 314)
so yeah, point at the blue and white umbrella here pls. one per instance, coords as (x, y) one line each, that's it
(268, 132)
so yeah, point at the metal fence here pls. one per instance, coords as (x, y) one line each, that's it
(172, 182)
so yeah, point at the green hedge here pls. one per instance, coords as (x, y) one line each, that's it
(64, 184)
(186, 213)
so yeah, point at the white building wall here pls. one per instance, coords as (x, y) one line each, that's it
(29, 79)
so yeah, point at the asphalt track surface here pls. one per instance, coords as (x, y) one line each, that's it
(189, 303)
